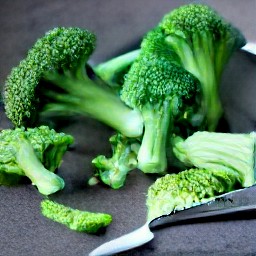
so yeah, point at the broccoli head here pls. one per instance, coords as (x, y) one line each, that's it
(34, 153)
(160, 90)
(75, 219)
(204, 42)
(188, 188)
(54, 79)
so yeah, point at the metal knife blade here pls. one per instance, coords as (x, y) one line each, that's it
(249, 47)
(236, 204)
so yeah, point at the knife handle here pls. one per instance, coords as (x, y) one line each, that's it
(193, 215)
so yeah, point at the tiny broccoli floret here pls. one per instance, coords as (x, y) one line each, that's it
(113, 171)
(174, 192)
(34, 153)
(225, 151)
(159, 90)
(75, 219)
(53, 80)
(204, 42)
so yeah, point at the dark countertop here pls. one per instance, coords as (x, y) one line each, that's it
(118, 26)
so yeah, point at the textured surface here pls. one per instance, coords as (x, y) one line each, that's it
(118, 26)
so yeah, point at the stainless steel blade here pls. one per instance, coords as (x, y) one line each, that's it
(230, 204)
(131, 240)
(250, 47)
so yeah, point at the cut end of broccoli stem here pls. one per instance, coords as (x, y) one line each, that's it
(49, 184)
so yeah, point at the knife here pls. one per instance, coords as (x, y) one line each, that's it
(239, 204)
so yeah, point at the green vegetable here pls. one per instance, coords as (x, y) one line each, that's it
(54, 80)
(74, 219)
(113, 171)
(160, 90)
(204, 43)
(35, 153)
(114, 70)
(174, 192)
(225, 151)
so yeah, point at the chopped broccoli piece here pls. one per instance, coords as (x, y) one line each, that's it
(160, 90)
(74, 219)
(113, 171)
(35, 153)
(225, 151)
(53, 80)
(204, 42)
(188, 188)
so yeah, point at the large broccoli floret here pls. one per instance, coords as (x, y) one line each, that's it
(188, 188)
(204, 42)
(60, 58)
(226, 151)
(75, 219)
(160, 90)
(113, 171)
(34, 153)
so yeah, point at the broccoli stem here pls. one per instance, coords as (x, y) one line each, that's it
(224, 151)
(152, 153)
(99, 102)
(111, 70)
(197, 59)
(46, 182)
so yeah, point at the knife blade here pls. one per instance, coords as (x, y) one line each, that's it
(237, 204)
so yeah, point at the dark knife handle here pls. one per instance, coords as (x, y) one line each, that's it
(185, 217)
(233, 205)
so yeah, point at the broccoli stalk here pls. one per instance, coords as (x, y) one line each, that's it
(224, 151)
(34, 153)
(113, 171)
(174, 192)
(204, 42)
(160, 90)
(114, 70)
(82, 221)
(60, 58)
(46, 182)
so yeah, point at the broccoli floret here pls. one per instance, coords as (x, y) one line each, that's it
(34, 153)
(204, 42)
(160, 90)
(113, 171)
(75, 219)
(226, 151)
(174, 192)
(60, 58)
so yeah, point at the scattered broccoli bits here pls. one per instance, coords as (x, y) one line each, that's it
(74, 219)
